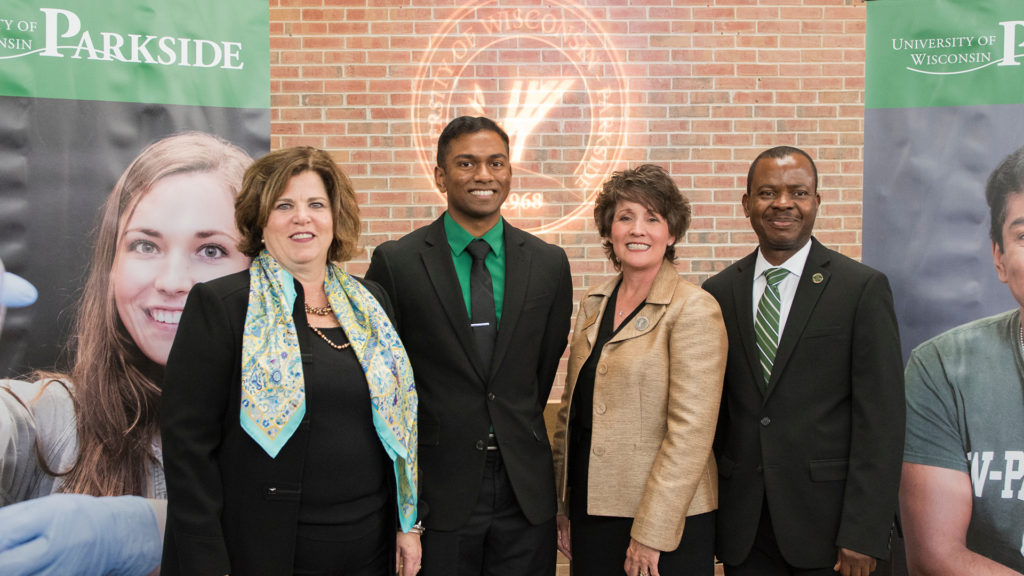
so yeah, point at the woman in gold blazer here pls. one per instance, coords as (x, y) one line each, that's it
(636, 478)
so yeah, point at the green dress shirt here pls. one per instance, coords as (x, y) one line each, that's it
(458, 239)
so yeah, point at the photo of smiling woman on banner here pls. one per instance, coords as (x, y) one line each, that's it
(168, 223)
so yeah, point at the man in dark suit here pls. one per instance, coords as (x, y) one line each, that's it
(485, 460)
(810, 433)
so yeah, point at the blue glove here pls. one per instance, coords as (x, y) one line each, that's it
(78, 534)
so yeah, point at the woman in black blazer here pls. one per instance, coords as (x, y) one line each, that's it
(289, 408)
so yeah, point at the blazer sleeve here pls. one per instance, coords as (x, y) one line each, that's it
(878, 424)
(556, 334)
(379, 273)
(195, 398)
(560, 440)
(698, 346)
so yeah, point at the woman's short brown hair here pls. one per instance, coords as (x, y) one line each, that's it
(648, 185)
(267, 179)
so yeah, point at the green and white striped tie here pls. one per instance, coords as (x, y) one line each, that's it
(766, 326)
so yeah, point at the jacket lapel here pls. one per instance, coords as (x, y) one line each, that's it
(591, 310)
(742, 293)
(658, 299)
(813, 281)
(517, 279)
(437, 259)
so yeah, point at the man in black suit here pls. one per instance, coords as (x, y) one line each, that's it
(485, 460)
(810, 433)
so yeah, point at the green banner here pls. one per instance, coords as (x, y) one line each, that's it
(945, 88)
(207, 53)
(86, 87)
(944, 53)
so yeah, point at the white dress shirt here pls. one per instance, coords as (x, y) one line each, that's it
(787, 288)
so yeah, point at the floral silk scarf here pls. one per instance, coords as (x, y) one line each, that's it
(273, 393)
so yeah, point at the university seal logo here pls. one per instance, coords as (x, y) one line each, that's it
(550, 76)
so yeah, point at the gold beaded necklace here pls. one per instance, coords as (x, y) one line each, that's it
(319, 310)
(324, 311)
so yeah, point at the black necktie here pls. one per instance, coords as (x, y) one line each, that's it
(481, 301)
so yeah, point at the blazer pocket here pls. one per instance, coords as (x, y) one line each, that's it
(282, 492)
(725, 466)
(829, 470)
(541, 300)
(539, 430)
(824, 332)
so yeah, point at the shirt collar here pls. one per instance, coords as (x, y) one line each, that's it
(459, 238)
(794, 264)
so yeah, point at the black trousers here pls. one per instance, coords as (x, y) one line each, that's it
(599, 547)
(599, 543)
(319, 551)
(765, 558)
(497, 540)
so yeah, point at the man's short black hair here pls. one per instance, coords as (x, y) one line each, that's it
(465, 125)
(781, 152)
(1006, 179)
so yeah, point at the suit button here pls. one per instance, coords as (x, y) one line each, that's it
(271, 491)
(600, 408)
(766, 421)
(490, 396)
(602, 369)
(599, 451)
(481, 445)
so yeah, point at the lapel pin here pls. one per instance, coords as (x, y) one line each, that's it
(642, 323)
(817, 278)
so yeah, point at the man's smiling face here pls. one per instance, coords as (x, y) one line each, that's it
(782, 205)
(476, 178)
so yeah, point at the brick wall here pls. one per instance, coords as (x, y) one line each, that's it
(584, 87)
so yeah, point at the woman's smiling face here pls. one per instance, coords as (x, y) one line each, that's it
(181, 232)
(640, 236)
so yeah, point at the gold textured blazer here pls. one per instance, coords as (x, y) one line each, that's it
(657, 390)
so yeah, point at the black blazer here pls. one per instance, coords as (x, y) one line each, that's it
(231, 507)
(825, 444)
(459, 398)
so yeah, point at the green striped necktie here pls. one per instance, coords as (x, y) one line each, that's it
(766, 326)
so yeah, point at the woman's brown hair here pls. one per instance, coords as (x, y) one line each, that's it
(116, 387)
(268, 178)
(648, 185)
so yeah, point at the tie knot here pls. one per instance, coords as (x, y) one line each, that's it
(478, 249)
(775, 275)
